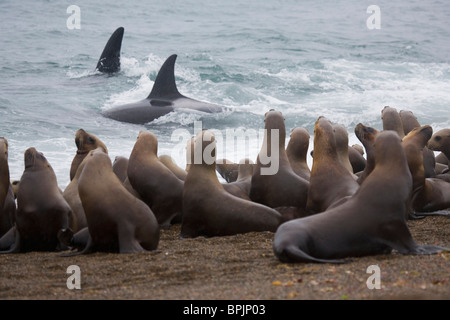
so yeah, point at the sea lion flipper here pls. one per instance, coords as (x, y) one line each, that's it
(293, 254)
(444, 213)
(427, 249)
(127, 241)
(11, 240)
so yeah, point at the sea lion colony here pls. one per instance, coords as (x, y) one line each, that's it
(316, 214)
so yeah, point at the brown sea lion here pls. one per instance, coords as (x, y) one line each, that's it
(209, 210)
(85, 142)
(7, 202)
(392, 121)
(330, 180)
(77, 219)
(297, 151)
(367, 137)
(371, 222)
(120, 166)
(274, 183)
(413, 144)
(42, 213)
(410, 122)
(170, 163)
(156, 184)
(117, 221)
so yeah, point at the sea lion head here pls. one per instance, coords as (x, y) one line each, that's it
(86, 142)
(33, 158)
(365, 134)
(324, 138)
(204, 149)
(436, 141)
(148, 141)
(423, 134)
(299, 141)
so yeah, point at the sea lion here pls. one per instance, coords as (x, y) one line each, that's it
(367, 137)
(274, 183)
(77, 219)
(392, 121)
(170, 163)
(7, 202)
(442, 159)
(120, 166)
(356, 158)
(209, 210)
(409, 123)
(297, 150)
(244, 178)
(413, 144)
(330, 180)
(85, 142)
(42, 214)
(371, 222)
(117, 221)
(156, 184)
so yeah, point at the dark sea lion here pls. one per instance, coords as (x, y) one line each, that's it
(409, 123)
(244, 178)
(392, 121)
(120, 167)
(228, 169)
(274, 183)
(357, 159)
(371, 222)
(42, 213)
(170, 163)
(85, 142)
(117, 221)
(442, 159)
(209, 210)
(156, 184)
(436, 198)
(359, 148)
(367, 137)
(7, 198)
(297, 151)
(330, 180)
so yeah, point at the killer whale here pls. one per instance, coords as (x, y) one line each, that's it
(109, 61)
(163, 98)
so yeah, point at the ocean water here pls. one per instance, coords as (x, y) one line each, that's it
(304, 58)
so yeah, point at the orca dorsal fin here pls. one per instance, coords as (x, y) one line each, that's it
(109, 61)
(165, 86)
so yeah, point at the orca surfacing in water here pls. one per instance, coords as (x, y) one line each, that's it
(109, 61)
(163, 98)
